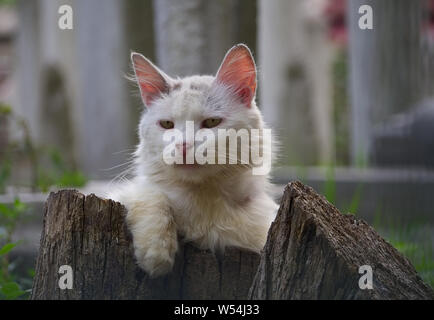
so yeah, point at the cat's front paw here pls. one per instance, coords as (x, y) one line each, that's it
(156, 262)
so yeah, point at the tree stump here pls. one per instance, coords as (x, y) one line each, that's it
(312, 252)
(315, 252)
(89, 234)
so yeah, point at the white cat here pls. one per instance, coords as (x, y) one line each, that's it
(212, 205)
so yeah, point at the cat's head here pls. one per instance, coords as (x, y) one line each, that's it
(223, 101)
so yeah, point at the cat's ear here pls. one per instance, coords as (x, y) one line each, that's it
(152, 81)
(238, 72)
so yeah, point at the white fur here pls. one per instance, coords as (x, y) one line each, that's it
(215, 206)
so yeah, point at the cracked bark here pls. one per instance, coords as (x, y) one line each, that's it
(89, 234)
(312, 252)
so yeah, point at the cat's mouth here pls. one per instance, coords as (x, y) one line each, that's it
(185, 165)
(188, 166)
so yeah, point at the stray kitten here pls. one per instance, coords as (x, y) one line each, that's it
(212, 205)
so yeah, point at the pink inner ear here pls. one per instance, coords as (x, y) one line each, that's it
(245, 95)
(151, 82)
(238, 71)
(149, 92)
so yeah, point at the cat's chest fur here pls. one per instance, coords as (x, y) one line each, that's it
(205, 212)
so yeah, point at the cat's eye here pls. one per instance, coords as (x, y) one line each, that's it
(167, 124)
(211, 122)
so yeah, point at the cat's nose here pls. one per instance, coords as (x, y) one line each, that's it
(183, 146)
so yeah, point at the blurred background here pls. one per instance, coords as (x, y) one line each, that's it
(353, 108)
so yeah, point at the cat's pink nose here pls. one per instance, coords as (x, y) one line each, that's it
(183, 146)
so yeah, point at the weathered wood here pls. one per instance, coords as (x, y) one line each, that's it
(89, 234)
(314, 252)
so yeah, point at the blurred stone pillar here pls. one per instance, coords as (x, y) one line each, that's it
(56, 84)
(72, 87)
(192, 36)
(28, 65)
(102, 118)
(387, 75)
(139, 37)
(295, 81)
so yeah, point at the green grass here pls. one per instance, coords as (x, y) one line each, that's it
(8, 2)
(10, 286)
(415, 241)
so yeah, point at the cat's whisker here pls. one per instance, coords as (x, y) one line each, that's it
(129, 170)
(129, 162)
(129, 150)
